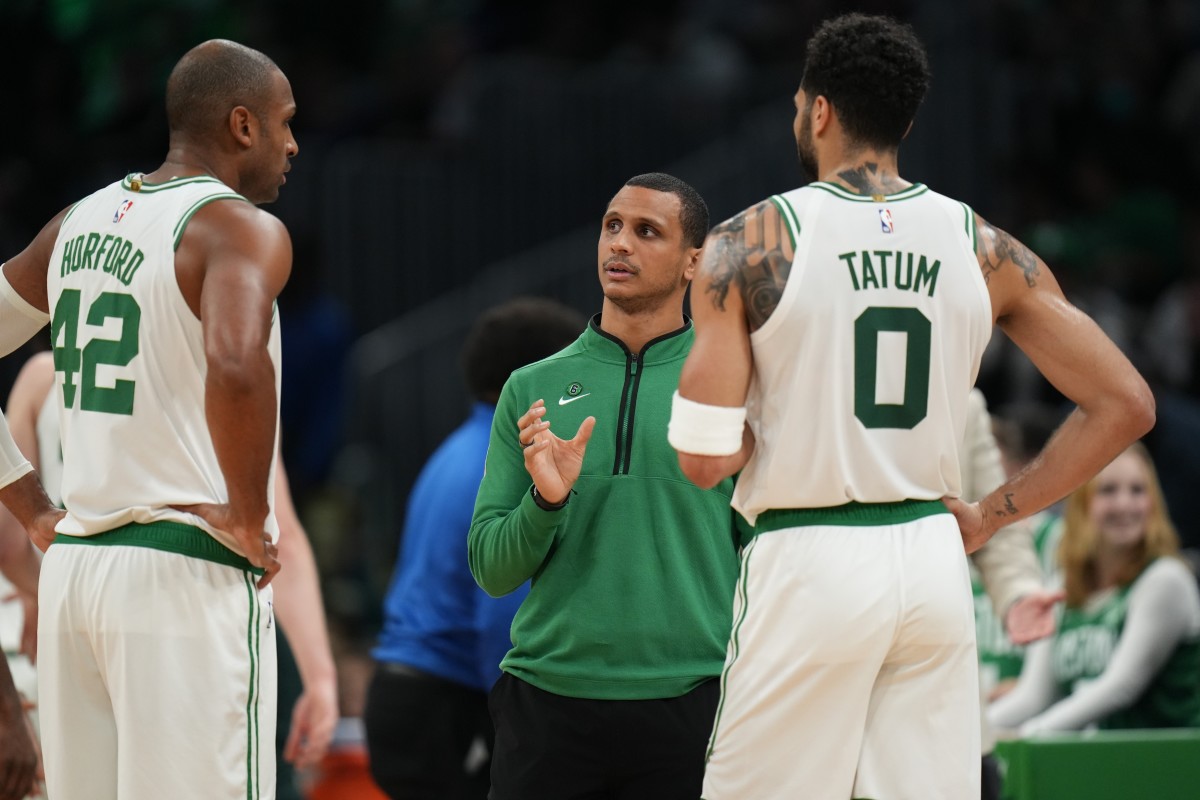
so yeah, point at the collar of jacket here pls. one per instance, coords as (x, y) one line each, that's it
(667, 347)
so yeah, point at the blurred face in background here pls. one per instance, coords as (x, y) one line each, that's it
(1121, 502)
(643, 260)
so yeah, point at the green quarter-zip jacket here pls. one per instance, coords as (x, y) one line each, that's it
(632, 582)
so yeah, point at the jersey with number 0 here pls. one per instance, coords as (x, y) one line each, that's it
(129, 361)
(863, 369)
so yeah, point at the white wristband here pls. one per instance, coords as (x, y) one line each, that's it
(13, 464)
(19, 320)
(705, 430)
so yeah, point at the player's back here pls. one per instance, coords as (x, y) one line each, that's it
(862, 371)
(130, 359)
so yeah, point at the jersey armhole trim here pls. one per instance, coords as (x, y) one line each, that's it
(789, 216)
(972, 233)
(181, 226)
(67, 216)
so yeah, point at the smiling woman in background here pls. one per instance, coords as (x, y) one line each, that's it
(1127, 652)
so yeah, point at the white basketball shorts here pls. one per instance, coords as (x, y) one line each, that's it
(851, 670)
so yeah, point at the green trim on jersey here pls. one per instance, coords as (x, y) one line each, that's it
(173, 183)
(67, 216)
(789, 215)
(972, 232)
(199, 204)
(915, 190)
(851, 515)
(170, 537)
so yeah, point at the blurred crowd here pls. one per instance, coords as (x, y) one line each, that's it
(1083, 136)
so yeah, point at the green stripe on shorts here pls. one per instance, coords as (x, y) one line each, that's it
(252, 754)
(850, 514)
(171, 537)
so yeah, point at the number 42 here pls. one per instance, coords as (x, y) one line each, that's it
(69, 359)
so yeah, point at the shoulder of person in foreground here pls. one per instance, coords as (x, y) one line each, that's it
(743, 271)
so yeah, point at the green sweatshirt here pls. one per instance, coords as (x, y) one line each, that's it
(632, 582)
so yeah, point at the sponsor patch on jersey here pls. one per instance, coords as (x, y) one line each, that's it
(886, 222)
(122, 210)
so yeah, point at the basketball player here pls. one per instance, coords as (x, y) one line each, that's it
(156, 657)
(845, 322)
(33, 419)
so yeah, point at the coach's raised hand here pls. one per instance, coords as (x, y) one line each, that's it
(553, 463)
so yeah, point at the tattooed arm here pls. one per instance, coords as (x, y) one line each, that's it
(742, 273)
(1114, 405)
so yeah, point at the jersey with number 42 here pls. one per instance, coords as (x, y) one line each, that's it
(129, 361)
(862, 371)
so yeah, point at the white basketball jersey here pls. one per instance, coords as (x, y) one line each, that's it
(129, 362)
(863, 369)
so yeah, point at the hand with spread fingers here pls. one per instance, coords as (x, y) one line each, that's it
(1032, 616)
(553, 463)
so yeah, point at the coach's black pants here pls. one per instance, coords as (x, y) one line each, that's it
(420, 729)
(550, 747)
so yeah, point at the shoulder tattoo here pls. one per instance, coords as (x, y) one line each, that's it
(754, 251)
(996, 247)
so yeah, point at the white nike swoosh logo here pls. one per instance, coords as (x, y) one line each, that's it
(562, 401)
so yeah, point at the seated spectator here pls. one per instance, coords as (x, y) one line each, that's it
(1127, 651)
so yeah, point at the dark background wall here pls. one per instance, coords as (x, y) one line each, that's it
(457, 153)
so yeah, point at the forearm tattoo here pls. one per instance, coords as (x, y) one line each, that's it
(1010, 509)
(754, 251)
(996, 247)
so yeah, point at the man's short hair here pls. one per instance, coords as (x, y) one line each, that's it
(509, 336)
(693, 211)
(211, 80)
(874, 72)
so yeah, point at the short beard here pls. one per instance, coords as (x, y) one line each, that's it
(804, 147)
(642, 304)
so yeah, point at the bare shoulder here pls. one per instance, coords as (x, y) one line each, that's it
(236, 224)
(751, 252)
(998, 249)
(230, 243)
(1010, 269)
(26, 271)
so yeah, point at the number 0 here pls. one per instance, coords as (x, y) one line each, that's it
(919, 332)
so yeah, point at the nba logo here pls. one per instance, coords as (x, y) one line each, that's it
(122, 210)
(885, 221)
